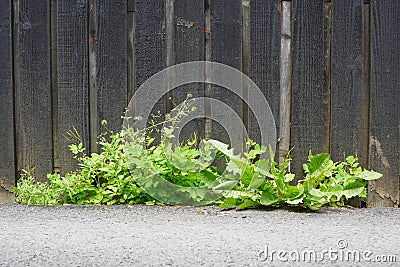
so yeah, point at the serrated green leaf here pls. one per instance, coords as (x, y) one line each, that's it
(268, 197)
(318, 166)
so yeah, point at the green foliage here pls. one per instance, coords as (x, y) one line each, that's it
(110, 177)
(104, 178)
(131, 158)
(266, 183)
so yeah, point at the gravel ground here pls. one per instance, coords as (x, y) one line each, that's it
(188, 236)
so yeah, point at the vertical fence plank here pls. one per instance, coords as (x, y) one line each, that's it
(72, 64)
(385, 109)
(150, 46)
(189, 46)
(33, 87)
(308, 80)
(226, 36)
(265, 52)
(131, 56)
(347, 79)
(111, 63)
(7, 161)
(285, 81)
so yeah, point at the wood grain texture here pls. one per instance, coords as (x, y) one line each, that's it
(385, 109)
(285, 68)
(7, 160)
(226, 36)
(111, 63)
(265, 56)
(347, 79)
(150, 47)
(73, 85)
(131, 56)
(189, 46)
(308, 80)
(33, 88)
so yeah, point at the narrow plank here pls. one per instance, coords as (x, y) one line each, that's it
(111, 63)
(54, 84)
(385, 110)
(226, 36)
(326, 141)
(347, 83)
(93, 92)
(189, 46)
(150, 48)
(7, 160)
(73, 87)
(285, 81)
(33, 88)
(131, 27)
(265, 50)
(308, 81)
(347, 79)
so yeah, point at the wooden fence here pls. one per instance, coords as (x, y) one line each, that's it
(329, 69)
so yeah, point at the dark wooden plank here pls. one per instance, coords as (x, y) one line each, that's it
(265, 56)
(385, 110)
(308, 80)
(150, 47)
(33, 87)
(189, 46)
(72, 64)
(54, 83)
(347, 79)
(226, 37)
(131, 56)
(111, 63)
(7, 160)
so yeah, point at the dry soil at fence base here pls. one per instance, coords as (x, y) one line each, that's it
(185, 236)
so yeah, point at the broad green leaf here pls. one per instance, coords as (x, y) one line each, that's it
(237, 194)
(262, 166)
(353, 189)
(294, 192)
(229, 202)
(318, 166)
(247, 203)
(268, 197)
(222, 147)
(256, 182)
(226, 185)
(247, 175)
(316, 193)
(369, 175)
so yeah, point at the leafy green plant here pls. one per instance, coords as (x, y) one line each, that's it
(266, 183)
(109, 177)
(130, 160)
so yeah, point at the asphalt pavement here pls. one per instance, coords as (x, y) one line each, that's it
(193, 236)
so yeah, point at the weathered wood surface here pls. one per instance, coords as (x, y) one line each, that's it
(347, 79)
(226, 38)
(307, 81)
(7, 160)
(73, 80)
(385, 108)
(33, 115)
(189, 46)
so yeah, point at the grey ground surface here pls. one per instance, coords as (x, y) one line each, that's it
(187, 236)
